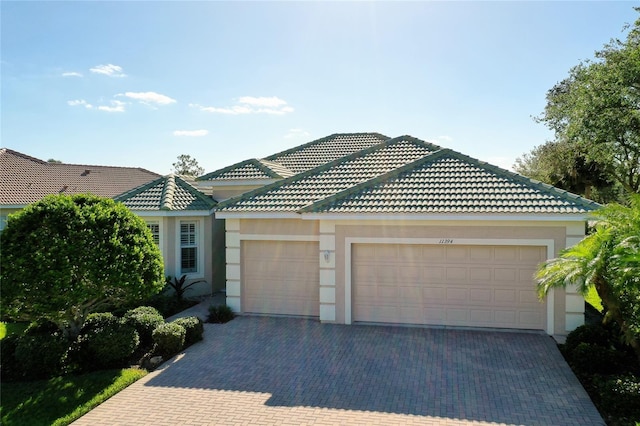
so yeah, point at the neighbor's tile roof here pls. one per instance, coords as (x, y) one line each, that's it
(450, 182)
(25, 179)
(299, 159)
(168, 193)
(303, 189)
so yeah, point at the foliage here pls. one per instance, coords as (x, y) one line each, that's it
(593, 334)
(593, 299)
(61, 400)
(609, 260)
(178, 285)
(194, 329)
(186, 165)
(595, 110)
(168, 306)
(220, 314)
(40, 355)
(589, 358)
(620, 396)
(10, 328)
(105, 341)
(65, 257)
(169, 339)
(9, 367)
(145, 319)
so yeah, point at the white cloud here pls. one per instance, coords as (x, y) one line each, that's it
(108, 70)
(297, 133)
(116, 106)
(78, 102)
(250, 105)
(149, 98)
(71, 74)
(191, 133)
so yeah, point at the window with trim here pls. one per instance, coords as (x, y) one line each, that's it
(154, 227)
(188, 247)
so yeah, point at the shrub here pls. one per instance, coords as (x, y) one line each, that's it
(40, 355)
(220, 314)
(588, 358)
(106, 342)
(145, 319)
(169, 339)
(194, 329)
(9, 366)
(620, 395)
(593, 334)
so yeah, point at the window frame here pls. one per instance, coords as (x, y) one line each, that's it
(198, 244)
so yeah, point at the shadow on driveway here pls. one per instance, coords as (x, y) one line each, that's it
(503, 377)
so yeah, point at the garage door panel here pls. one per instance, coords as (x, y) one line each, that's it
(280, 277)
(487, 286)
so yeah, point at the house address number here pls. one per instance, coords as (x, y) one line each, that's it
(445, 241)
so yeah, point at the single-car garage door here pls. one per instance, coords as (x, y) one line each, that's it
(280, 277)
(480, 286)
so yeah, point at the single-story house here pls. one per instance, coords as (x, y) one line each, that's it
(360, 227)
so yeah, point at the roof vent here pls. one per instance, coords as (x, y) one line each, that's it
(86, 172)
(64, 188)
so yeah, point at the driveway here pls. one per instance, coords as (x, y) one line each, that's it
(259, 370)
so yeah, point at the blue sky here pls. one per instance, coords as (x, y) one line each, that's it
(139, 83)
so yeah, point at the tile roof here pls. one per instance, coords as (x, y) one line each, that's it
(449, 182)
(25, 179)
(322, 151)
(168, 193)
(299, 159)
(316, 184)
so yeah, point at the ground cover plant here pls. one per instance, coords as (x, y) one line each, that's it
(61, 400)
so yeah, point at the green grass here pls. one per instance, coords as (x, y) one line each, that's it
(61, 400)
(593, 299)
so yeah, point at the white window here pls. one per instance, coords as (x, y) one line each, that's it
(189, 247)
(154, 227)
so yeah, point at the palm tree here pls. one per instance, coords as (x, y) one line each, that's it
(609, 260)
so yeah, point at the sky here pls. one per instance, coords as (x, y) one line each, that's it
(139, 83)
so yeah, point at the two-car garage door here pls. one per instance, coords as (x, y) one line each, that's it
(474, 285)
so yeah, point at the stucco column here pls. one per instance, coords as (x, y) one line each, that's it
(232, 243)
(327, 259)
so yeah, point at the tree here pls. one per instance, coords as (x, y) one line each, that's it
(596, 110)
(54, 161)
(65, 257)
(609, 260)
(187, 166)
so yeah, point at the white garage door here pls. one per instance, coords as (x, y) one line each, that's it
(480, 286)
(280, 277)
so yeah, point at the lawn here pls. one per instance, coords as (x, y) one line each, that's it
(61, 400)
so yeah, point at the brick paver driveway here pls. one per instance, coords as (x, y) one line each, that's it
(257, 370)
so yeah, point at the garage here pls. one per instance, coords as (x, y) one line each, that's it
(280, 277)
(459, 285)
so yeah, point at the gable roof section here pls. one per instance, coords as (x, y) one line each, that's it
(168, 193)
(450, 182)
(252, 169)
(292, 194)
(321, 151)
(25, 179)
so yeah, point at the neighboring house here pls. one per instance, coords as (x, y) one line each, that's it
(359, 227)
(401, 231)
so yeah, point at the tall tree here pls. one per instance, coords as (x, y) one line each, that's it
(65, 257)
(596, 110)
(186, 165)
(609, 260)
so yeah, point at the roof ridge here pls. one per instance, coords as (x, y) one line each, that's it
(25, 156)
(180, 181)
(323, 167)
(256, 162)
(137, 190)
(168, 192)
(324, 139)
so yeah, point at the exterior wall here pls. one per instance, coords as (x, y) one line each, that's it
(565, 309)
(4, 213)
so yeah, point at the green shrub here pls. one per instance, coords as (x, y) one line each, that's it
(220, 314)
(593, 334)
(194, 328)
(41, 355)
(169, 339)
(105, 342)
(9, 366)
(590, 359)
(98, 320)
(619, 395)
(145, 319)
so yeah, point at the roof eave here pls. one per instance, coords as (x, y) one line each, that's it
(510, 217)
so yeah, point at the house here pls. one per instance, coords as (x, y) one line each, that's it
(360, 227)
(401, 231)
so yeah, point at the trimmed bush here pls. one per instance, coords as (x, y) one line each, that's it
(40, 355)
(145, 319)
(9, 367)
(620, 395)
(590, 359)
(106, 342)
(98, 321)
(593, 334)
(169, 339)
(220, 314)
(194, 328)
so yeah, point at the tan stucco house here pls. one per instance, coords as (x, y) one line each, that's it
(360, 227)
